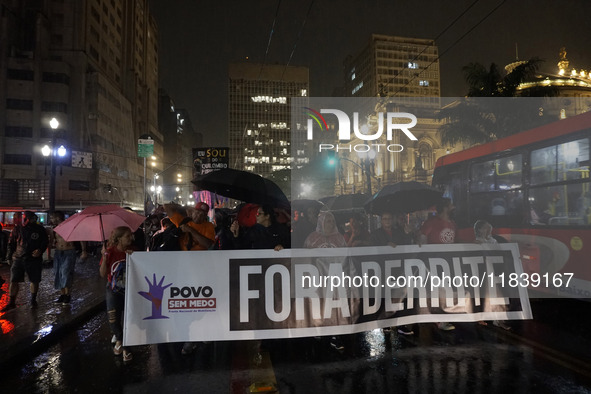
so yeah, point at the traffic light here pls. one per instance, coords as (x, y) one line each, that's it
(331, 160)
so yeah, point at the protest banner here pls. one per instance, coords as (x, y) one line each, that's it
(260, 294)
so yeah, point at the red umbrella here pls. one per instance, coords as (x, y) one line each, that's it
(96, 223)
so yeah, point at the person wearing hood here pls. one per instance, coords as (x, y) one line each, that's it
(326, 234)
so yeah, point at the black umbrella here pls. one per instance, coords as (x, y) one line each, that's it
(403, 197)
(345, 201)
(302, 204)
(244, 186)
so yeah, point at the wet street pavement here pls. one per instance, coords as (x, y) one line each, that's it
(549, 354)
(470, 359)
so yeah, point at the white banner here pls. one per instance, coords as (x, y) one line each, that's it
(259, 294)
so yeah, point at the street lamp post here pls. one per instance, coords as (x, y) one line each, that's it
(156, 190)
(366, 159)
(51, 151)
(365, 166)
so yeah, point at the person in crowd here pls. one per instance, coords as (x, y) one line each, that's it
(139, 237)
(152, 225)
(326, 234)
(14, 234)
(357, 234)
(440, 229)
(223, 235)
(393, 235)
(199, 233)
(111, 266)
(64, 261)
(483, 235)
(265, 234)
(3, 244)
(305, 225)
(29, 242)
(167, 238)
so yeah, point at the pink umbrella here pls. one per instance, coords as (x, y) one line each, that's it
(96, 223)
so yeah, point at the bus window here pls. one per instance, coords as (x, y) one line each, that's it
(499, 208)
(499, 174)
(483, 177)
(561, 205)
(567, 161)
(508, 172)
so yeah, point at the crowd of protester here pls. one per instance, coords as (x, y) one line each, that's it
(176, 228)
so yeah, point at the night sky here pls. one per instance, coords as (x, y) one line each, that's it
(199, 38)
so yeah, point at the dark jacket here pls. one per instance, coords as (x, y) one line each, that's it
(380, 237)
(261, 237)
(31, 237)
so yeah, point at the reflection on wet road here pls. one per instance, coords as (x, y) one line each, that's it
(471, 359)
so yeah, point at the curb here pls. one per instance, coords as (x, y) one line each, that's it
(31, 346)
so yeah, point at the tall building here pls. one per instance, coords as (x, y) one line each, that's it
(179, 140)
(259, 115)
(406, 70)
(92, 65)
(393, 66)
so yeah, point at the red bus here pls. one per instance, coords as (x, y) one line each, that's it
(534, 188)
(7, 216)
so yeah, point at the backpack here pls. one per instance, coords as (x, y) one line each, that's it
(117, 283)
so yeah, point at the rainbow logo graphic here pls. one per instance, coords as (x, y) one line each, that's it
(317, 117)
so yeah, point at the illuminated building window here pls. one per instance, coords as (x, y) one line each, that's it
(356, 88)
(280, 125)
(269, 99)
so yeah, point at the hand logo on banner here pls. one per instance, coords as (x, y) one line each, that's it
(155, 295)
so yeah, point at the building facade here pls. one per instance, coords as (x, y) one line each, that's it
(259, 118)
(393, 66)
(567, 81)
(92, 65)
(180, 138)
(407, 71)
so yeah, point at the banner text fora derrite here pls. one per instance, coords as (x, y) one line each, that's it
(336, 290)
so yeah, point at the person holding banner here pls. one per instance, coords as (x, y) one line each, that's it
(483, 235)
(199, 233)
(357, 234)
(391, 235)
(265, 234)
(305, 226)
(326, 234)
(111, 266)
(440, 229)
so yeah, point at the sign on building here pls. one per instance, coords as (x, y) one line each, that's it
(206, 160)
